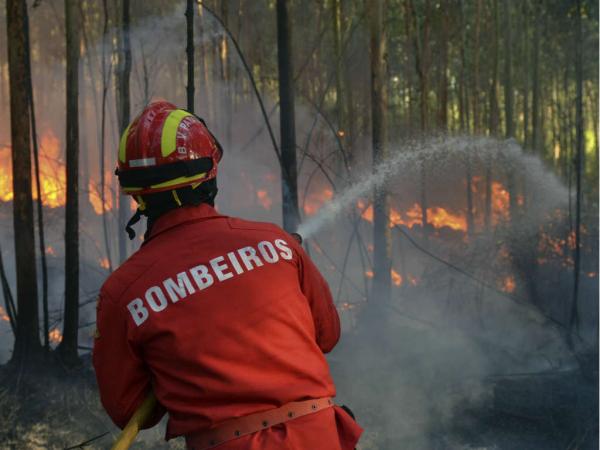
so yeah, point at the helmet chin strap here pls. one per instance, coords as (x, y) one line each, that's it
(134, 219)
(155, 205)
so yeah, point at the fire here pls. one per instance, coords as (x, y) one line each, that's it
(104, 263)
(315, 201)
(50, 251)
(500, 202)
(264, 199)
(396, 278)
(55, 336)
(508, 284)
(52, 173)
(95, 197)
(3, 316)
(437, 216)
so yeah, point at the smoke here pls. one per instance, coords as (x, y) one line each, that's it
(435, 152)
(410, 368)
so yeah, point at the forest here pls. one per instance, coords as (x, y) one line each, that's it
(438, 158)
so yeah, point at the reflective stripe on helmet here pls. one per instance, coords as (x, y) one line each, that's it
(123, 145)
(168, 140)
(167, 184)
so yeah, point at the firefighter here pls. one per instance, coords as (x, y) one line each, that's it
(225, 320)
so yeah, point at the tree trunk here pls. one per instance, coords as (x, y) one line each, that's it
(105, 80)
(27, 340)
(39, 201)
(68, 346)
(477, 51)
(340, 97)
(189, 50)
(535, 107)
(289, 183)
(494, 113)
(508, 85)
(443, 101)
(579, 120)
(526, 136)
(123, 113)
(382, 238)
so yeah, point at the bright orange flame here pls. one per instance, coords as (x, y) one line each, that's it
(3, 315)
(508, 284)
(52, 173)
(55, 336)
(50, 251)
(396, 278)
(104, 263)
(264, 199)
(315, 201)
(437, 216)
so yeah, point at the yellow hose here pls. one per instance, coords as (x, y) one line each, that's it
(133, 427)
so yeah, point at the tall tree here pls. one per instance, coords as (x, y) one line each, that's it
(189, 50)
(535, 106)
(27, 338)
(123, 110)
(289, 177)
(382, 238)
(508, 84)
(68, 346)
(494, 113)
(39, 201)
(579, 121)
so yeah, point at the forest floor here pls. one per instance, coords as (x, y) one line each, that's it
(49, 406)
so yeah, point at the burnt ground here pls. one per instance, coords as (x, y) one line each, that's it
(50, 406)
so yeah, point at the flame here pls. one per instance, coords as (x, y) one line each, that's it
(95, 197)
(315, 201)
(50, 251)
(52, 173)
(55, 336)
(264, 199)
(3, 316)
(508, 284)
(396, 278)
(104, 263)
(500, 203)
(437, 216)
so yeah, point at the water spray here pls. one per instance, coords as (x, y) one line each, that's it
(435, 149)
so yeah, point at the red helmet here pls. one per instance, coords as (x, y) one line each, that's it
(166, 148)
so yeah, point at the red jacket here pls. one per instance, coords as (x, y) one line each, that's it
(221, 318)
